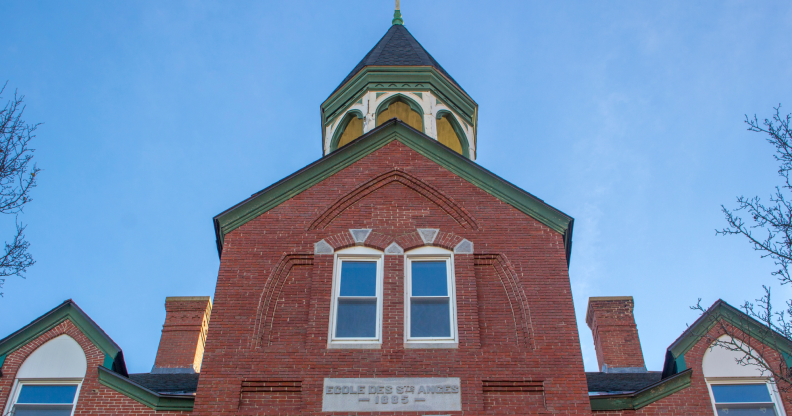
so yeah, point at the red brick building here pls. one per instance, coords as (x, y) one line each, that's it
(392, 276)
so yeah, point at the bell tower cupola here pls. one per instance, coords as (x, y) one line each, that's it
(399, 78)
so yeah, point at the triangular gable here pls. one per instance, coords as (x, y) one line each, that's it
(389, 131)
(114, 358)
(675, 355)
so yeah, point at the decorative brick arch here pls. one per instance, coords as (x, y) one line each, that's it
(518, 301)
(456, 211)
(379, 241)
(269, 296)
(345, 239)
(448, 241)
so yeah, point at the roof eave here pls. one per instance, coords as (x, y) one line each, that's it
(393, 129)
(722, 310)
(66, 310)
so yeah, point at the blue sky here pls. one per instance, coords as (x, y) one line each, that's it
(158, 115)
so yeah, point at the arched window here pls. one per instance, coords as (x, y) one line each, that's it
(352, 130)
(403, 108)
(48, 382)
(446, 134)
(738, 388)
(451, 134)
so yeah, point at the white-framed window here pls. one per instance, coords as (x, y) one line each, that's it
(49, 380)
(45, 397)
(430, 298)
(356, 309)
(744, 397)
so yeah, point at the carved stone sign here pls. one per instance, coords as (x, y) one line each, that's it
(391, 394)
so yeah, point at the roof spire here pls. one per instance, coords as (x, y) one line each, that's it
(397, 19)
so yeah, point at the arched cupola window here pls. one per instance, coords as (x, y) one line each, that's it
(403, 108)
(49, 380)
(450, 133)
(350, 128)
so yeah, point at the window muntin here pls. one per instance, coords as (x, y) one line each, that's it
(53, 398)
(431, 307)
(357, 297)
(744, 399)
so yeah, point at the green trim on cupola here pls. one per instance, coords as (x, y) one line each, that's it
(412, 79)
(397, 18)
(343, 125)
(405, 99)
(461, 135)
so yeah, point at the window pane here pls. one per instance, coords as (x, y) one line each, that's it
(429, 278)
(47, 394)
(356, 318)
(430, 318)
(749, 410)
(741, 393)
(28, 410)
(358, 278)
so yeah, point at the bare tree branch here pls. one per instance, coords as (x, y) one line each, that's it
(17, 179)
(768, 228)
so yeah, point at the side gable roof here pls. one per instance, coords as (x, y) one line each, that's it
(114, 357)
(389, 131)
(675, 355)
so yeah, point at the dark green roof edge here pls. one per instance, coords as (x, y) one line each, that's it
(152, 399)
(375, 74)
(641, 398)
(675, 358)
(66, 310)
(393, 129)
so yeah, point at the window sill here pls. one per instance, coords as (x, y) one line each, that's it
(354, 346)
(430, 345)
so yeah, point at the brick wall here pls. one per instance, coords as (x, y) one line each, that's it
(695, 400)
(94, 399)
(184, 333)
(615, 334)
(515, 315)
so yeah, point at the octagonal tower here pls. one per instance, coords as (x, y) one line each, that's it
(399, 78)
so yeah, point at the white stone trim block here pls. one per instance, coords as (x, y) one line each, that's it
(322, 247)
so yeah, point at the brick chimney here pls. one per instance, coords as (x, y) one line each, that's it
(181, 346)
(615, 334)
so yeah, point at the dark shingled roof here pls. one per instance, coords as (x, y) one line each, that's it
(167, 383)
(621, 382)
(397, 48)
